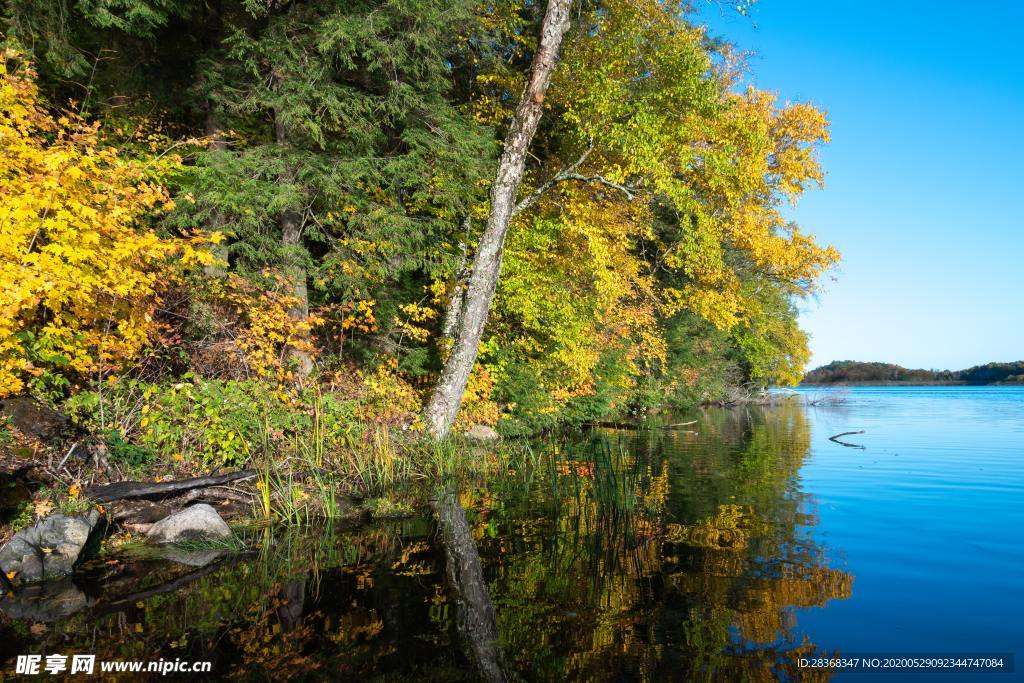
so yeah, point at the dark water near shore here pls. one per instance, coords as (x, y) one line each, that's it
(724, 554)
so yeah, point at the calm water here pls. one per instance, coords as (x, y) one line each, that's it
(724, 554)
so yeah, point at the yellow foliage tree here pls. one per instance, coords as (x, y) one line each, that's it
(79, 273)
(660, 196)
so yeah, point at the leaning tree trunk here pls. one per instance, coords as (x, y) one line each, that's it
(444, 402)
(291, 239)
(453, 311)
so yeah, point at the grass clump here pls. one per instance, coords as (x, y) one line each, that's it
(387, 508)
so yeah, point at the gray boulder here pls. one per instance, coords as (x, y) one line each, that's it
(482, 433)
(196, 523)
(50, 548)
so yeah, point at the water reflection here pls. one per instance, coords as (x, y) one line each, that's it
(680, 556)
(621, 555)
(474, 611)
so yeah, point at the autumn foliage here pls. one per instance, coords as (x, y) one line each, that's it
(345, 152)
(81, 271)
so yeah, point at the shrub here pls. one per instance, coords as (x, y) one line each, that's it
(213, 423)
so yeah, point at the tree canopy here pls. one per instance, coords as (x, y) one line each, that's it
(344, 150)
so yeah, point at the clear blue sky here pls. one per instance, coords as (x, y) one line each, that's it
(925, 183)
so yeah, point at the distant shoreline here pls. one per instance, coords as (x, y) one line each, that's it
(858, 373)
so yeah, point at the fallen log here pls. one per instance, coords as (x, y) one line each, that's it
(213, 493)
(613, 425)
(142, 489)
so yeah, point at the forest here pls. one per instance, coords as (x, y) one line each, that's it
(854, 372)
(447, 340)
(232, 229)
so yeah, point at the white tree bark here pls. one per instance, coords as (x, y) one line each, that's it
(453, 311)
(447, 396)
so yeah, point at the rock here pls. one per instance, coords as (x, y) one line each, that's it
(190, 558)
(45, 602)
(483, 433)
(196, 523)
(33, 419)
(49, 549)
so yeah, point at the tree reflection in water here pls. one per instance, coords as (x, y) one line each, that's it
(622, 555)
(474, 611)
(678, 555)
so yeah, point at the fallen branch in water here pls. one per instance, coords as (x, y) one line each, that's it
(613, 425)
(679, 424)
(833, 397)
(843, 443)
(141, 489)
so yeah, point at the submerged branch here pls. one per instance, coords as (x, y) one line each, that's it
(835, 438)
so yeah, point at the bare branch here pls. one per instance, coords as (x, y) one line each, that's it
(532, 198)
(630, 192)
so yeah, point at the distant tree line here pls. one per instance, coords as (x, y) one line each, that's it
(855, 372)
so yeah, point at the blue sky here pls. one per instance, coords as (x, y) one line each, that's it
(925, 179)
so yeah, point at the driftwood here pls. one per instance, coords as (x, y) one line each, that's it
(835, 438)
(213, 493)
(614, 425)
(141, 489)
(679, 424)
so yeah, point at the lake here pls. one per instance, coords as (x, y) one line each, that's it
(731, 549)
